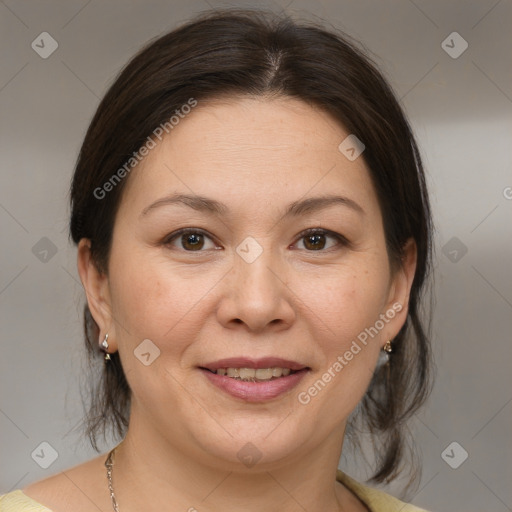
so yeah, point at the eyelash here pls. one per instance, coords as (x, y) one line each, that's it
(341, 240)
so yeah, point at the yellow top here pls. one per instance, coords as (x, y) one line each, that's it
(375, 500)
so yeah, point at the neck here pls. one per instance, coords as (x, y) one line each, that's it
(146, 465)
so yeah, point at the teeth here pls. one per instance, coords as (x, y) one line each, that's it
(277, 372)
(247, 373)
(253, 375)
(263, 373)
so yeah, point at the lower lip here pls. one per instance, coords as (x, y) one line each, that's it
(255, 391)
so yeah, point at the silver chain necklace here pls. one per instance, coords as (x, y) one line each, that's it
(109, 463)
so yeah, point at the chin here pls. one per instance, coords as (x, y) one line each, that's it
(264, 447)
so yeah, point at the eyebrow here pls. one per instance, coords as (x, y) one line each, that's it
(296, 208)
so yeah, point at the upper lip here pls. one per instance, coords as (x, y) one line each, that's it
(247, 362)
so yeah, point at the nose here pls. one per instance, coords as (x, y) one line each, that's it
(257, 296)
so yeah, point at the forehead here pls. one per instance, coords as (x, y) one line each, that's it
(247, 151)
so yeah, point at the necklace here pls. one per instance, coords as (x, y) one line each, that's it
(109, 463)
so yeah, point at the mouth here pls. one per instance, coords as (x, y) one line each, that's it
(253, 374)
(254, 370)
(254, 380)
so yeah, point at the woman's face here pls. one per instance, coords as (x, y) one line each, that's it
(246, 178)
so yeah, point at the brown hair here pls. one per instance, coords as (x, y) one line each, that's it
(249, 52)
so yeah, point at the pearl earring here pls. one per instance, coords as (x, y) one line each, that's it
(104, 346)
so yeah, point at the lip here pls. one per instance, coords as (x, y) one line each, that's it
(247, 362)
(254, 391)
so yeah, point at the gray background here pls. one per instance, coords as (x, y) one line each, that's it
(460, 109)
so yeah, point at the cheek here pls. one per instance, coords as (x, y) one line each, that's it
(151, 302)
(153, 299)
(345, 301)
(344, 310)
(141, 301)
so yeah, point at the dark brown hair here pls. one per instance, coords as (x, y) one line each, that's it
(225, 53)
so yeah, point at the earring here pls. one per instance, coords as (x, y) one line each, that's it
(384, 355)
(104, 346)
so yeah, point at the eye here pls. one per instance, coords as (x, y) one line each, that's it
(315, 239)
(191, 240)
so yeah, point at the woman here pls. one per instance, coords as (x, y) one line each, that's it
(254, 234)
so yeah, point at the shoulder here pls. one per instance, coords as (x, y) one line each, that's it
(374, 499)
(81, 488)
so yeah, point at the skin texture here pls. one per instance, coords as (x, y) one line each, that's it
(255, 155)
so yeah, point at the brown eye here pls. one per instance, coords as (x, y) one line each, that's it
(320, 239)
(190, 240)
(314, 242)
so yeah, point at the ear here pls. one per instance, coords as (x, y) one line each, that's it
(97, 291)
(400, 289)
